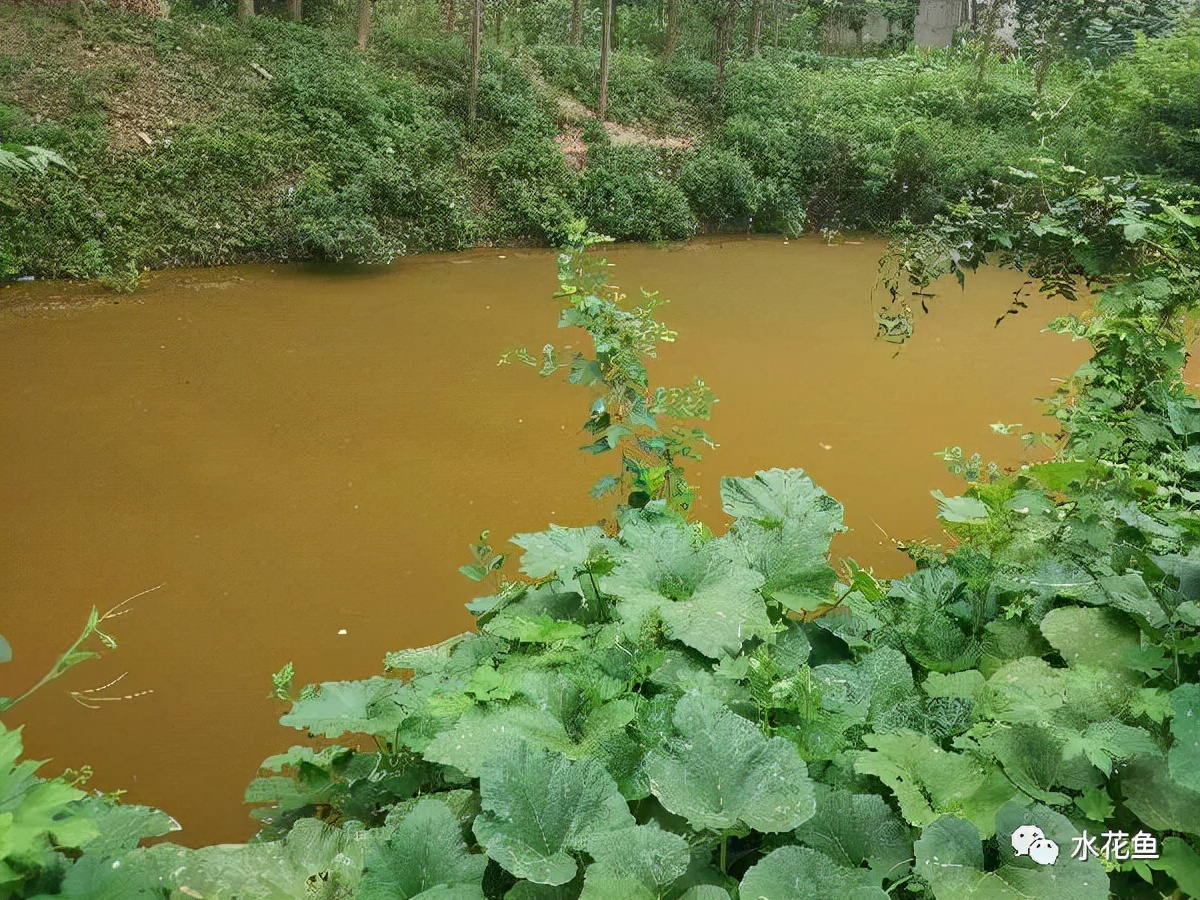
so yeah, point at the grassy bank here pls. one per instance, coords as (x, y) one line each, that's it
(201, 141)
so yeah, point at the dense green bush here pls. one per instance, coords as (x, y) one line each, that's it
(721, 186)
(534, 193)
(626, 193)
(1147, 100)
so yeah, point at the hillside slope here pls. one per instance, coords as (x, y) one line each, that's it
(201, 141)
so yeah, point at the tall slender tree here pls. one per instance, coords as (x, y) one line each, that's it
(576, 22)
(476, 45)
(605, 45)
(726, 20)
(451, 14)
(366, 9)
(757, 9)
(296, 10)
(672, 27)
(245, 10)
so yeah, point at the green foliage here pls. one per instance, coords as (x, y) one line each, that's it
(627, 194)
(42, 821)
(626, 412)
(425, 852)
(362, 157)
(534, 193)
(1147, 97)
(721, 186)
(720, 773)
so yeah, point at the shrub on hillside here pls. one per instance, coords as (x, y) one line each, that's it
(1149, 97)
(533, 190)
(627, 195)
(384, 211)
(720, 185)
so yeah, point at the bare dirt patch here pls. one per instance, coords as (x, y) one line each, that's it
(140, 98)
(572, 114)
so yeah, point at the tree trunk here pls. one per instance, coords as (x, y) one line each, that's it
(451, 14)
(296, 10)
(672, 27)
(605, 43)
(991, 22)
(245, 10)
(725, 26)
(366, 9)
(476, 45)
(757, 9)
(576, 22)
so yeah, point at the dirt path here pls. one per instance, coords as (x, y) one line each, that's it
(572, 114)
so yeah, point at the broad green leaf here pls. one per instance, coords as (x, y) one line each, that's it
(705, 599)
(645, 853)
(1135, 231)
(426, 850)
(878, 690)
(962, 685)
(539, 630)
(1159, 801)
(705, 892)
(1032, 758)
(474, 739)
(929, 782)
(792, 560)
(719, 771)
(800, 873)
(527, 890)
(603, 882)
(1096, 804)
(1130, 593)
(1182, 863)
(268, 870)
(121, 826)
(456, 657)
(949, 856)
(853, 829)
(1006, 640)
(1104, 742)
(1094, 637)
(1184, 755)
(931, 614)
(778, 495)
(539, 806)
(784, 530)
(374, 706)
(1058, 476)
(5, 650)
(561, 552)
(35, 812)
(966, 510)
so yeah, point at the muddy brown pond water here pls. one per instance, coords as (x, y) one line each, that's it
(301, 457)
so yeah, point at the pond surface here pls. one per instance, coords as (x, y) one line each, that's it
(301, 457)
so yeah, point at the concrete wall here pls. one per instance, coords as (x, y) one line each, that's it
(876, 30)
(937, 20)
